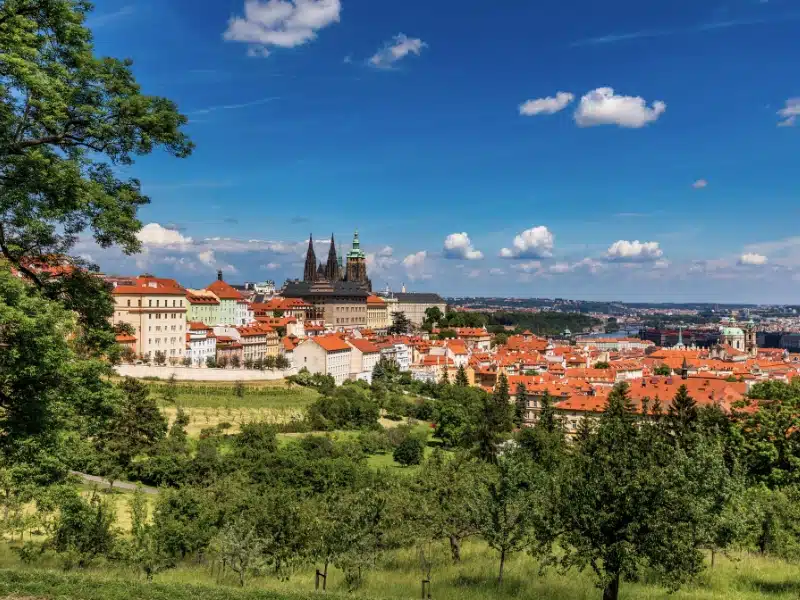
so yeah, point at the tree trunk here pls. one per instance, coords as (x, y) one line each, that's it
(241, 577)
(713, 556)
(455, 548)
(325, 578)
(611, 591)
(502, 566)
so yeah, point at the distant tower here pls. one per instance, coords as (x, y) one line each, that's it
(341, 266)
(751, 338)
(357, 264)
(310, 270)
(332, 267)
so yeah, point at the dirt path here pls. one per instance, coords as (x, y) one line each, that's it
(118, 485)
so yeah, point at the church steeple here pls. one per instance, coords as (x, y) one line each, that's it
(310, 270)
(332, 267)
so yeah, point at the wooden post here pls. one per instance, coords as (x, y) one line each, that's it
(320, 576)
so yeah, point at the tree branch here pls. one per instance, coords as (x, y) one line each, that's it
(16, 262)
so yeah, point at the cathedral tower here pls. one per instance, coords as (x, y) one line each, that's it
(357, 264)
(332, 267)
(310, 270)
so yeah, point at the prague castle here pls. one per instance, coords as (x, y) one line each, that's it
(338, 293)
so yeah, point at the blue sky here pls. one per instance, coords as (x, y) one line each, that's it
(628, 150)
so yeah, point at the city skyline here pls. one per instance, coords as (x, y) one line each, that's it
(646, 156)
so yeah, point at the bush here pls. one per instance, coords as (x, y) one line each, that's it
(374, 442)
(409, 452)
(348, 407)
(398, 435)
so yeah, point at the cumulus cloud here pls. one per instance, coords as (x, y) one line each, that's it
(752, 259)
(789, 113)
(458, 246)
(546, 106)
(536, 242)
(395, 50)
(416, 265)
(528, 267)
(154, 234)
(589, 264)
(281, 23)
(273, 266)
(235, 245)
(209, 259)
(700, 184)
(559, 268)
(635, 251)
(380, 262)
(603, 107)
(661, 264)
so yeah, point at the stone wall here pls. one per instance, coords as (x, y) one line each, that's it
(194, 374)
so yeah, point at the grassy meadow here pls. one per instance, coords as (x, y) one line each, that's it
(740, 577)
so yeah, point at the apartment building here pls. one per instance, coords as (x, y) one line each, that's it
(327, 354)
(156, 309)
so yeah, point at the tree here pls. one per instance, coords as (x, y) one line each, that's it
(682, 412)
(662, 371)
(236, 361)
(240, 548)
(84, 529)
(270, 361)
(143, 551)
(410, 451)
(169, 393)
(433, 315)
(400, 324)
(628, 500)
(68, 117)
(500, 339)
(497, 420)
(448, 492)
(137, 426)
(223, 361)
(520, 404)
(238, 389)
(248, 363)
(160, 358)
(602, 365)
(509, 509)
(282, 363)
(187, 361)
(211, 362)
(461, 377)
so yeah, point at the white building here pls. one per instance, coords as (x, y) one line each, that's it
(244, 314)
(327, 354)
(201, 344)
(398, 352)
(364, 355)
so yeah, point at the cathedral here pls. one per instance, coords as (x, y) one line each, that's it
(354, 272)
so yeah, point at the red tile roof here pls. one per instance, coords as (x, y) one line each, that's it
(375, 301)
(147, 286)
(331, 343)
(365, 346)
(224, 291)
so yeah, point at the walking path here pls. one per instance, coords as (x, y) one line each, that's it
(119, 485)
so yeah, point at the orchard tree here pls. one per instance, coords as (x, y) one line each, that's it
(630, 501)
(496, 421)
(67, 118)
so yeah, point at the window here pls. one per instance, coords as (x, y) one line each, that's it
(150, 303)
(129, 302)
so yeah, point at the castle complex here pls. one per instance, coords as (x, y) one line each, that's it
(331, 272)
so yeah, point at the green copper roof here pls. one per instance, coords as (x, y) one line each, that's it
(356, 252)
(731, 331)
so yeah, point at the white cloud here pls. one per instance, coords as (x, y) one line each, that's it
(635, 251)
(560, 268)
(603, 107)
(153, 234)
(474, 273)
(546, 106)
(281, 23)
(789, 113)
(750, 258)
(497, 272)
(700, 184)
(272, 266)
(661, 264)
(207, 258)
(416, 264)
(397, 49)
(458, 246)
(536, 242)
(528, 267)
(380, 262)
(235, 245)
(590, 264)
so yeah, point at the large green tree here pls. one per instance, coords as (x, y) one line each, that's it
(67, 118)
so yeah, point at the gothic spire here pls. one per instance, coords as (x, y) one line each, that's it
(310, 270)
(332, 267)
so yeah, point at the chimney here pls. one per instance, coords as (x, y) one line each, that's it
(219, 275)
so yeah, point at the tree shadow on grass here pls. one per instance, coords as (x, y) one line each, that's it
(773, 587)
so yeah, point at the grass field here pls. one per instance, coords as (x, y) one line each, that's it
(210, 404)
(398, 577)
